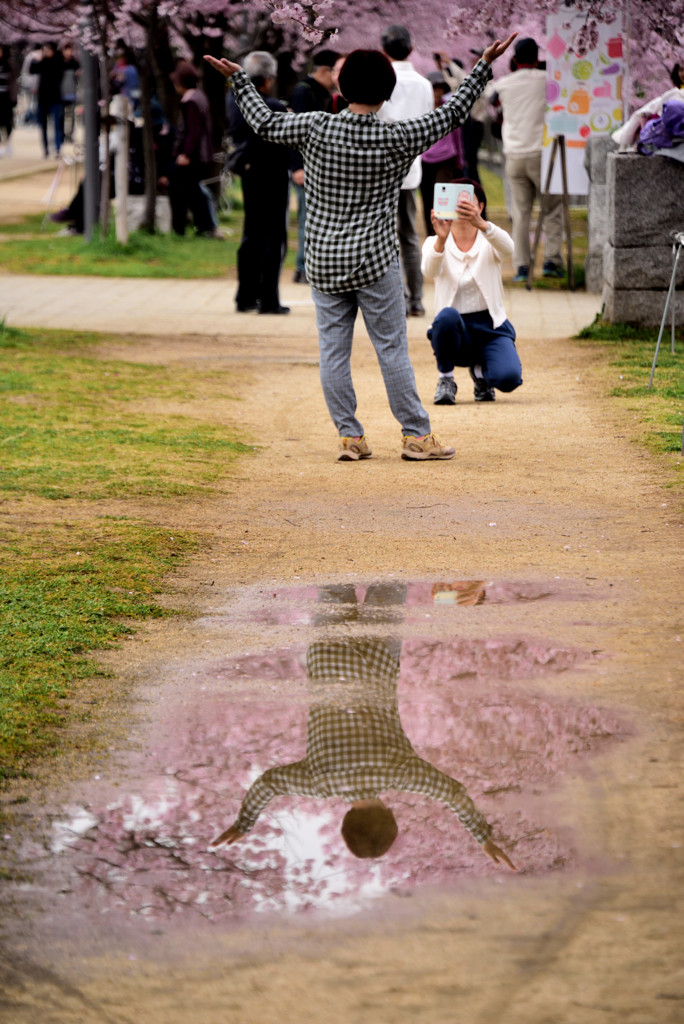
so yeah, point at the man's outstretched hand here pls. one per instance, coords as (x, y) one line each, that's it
(227, 838)
(497, 855)
(223, 66)
(496, 49)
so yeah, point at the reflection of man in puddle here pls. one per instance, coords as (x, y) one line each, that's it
(356, 747)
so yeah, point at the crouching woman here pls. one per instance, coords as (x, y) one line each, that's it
(470, 327)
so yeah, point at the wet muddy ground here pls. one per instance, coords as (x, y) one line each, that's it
(507, 625)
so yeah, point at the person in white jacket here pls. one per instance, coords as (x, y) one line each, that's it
(470, 327)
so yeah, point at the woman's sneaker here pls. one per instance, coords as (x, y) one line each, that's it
(428, 447)
(446, 391)
(482, 391)
(353, 448)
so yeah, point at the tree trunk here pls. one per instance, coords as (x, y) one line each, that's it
(149, 150)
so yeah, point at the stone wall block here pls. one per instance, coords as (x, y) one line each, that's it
(645, 199)
(644, 308)
(643, 267)
(596, 156)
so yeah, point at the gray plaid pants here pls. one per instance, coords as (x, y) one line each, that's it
(383, 309)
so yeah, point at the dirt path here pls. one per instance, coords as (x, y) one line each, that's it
(547, 490)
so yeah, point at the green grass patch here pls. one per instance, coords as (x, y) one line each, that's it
(631, 350)
(72, 578)
(64, 591)
(76, 427)
(144, 255)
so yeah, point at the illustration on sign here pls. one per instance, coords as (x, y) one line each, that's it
(583, 89)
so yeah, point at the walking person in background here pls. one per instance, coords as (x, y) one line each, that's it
(125, 78)
(8, 100)
(412, 96)
(522, 95)
(354, 165)
(470, 327)
(29, 87)
(264, 174)
(72, 71)
(50, 69)
(192, 154)
(313, 93)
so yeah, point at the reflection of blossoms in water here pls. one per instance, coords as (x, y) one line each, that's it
(147, 852)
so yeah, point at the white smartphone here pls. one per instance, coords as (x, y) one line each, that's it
(444, 202)
(446, 198)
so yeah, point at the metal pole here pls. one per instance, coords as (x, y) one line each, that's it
(91, 180)
(676, 249)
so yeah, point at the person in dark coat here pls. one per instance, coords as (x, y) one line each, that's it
(313, 93)
(50, 70)
(8, 100)
(192, 154)
(264, 172)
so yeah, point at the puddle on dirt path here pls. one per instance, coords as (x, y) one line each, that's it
(438, 741)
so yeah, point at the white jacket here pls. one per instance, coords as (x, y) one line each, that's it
(487, 254)
(413, 96)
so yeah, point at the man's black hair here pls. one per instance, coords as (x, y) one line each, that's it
(526, 51)
(325, 58)
(367, 76)
(396, 42)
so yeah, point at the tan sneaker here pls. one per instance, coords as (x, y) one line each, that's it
(352, 449)
(428, 447)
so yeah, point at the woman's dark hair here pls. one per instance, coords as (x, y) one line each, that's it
(676, 76)
(480, 194)
(367, 76)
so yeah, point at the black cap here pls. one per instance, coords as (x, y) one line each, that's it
(526, 51)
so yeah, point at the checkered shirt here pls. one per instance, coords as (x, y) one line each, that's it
(357, 749)
(354, 165)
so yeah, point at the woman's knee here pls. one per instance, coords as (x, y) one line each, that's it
(448, 319)
(507, 382)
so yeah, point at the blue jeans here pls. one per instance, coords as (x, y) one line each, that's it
(56, 112)
(472, 340)
(301, 227)
(384, 313)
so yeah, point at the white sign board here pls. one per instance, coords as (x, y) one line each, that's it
(583, 92)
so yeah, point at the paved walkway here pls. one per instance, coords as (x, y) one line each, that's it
(144, 306)
(177, 307)
(29, 182)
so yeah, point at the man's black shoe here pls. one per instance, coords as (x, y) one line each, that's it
(275, 311)
(241, 308)
(551, 269)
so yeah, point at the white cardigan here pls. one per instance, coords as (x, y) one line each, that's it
(487, 253)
